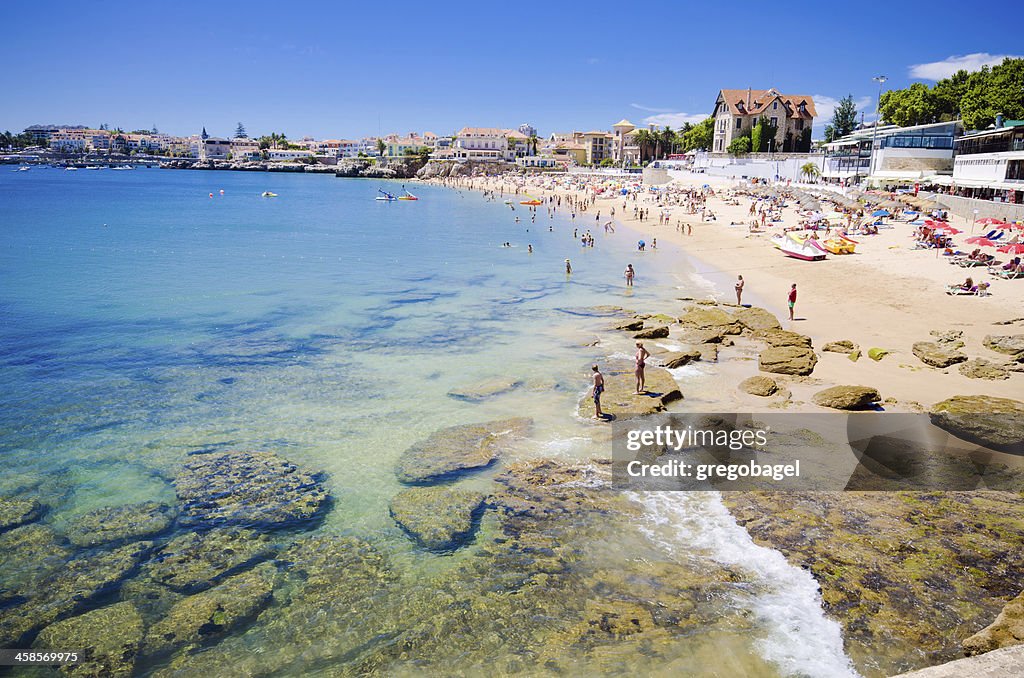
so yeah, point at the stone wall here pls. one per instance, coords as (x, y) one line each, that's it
(964, 207)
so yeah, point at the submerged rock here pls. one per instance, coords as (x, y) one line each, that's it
(759, 385)
(15, 512)
(28, 554)
(787, 360)
(248, 488)
(484, 390)
(197, 561)
(937, 355)
(987, 420)
(106, 639)
(979, 368)
(120, 523)
(847, 397)
(438, 518)
(841, 346)
(69, 589)
(756, 319)
(204, 617)
(458, 449)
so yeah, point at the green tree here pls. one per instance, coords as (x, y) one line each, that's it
(699, 136)
(810, 170)
(803, 144)
(992, 92)
(381, 147)
(644, 141)
(533, 144)
(914, 105)
(844, 118)
(240, 132)
(739, 146)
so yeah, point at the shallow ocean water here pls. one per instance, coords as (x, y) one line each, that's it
(143, 320)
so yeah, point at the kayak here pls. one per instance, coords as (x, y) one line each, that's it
(268, 194)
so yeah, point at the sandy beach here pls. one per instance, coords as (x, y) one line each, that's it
(887, 295)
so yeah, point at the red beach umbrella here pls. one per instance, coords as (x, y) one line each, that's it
(947, 229)
(1013, 248)
(981, 240)
(989, 221)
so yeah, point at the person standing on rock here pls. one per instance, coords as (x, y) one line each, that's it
(598, 390)
(642, 354)
(739, 290)
(792, 300)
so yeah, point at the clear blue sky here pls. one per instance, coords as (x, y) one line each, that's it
(350, 69)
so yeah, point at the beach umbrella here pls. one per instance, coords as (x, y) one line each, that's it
(1013, 248)
(947, 229)
(989, 221)
(880, 213)
(981, 240)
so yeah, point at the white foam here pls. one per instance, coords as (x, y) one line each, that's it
(799, 638)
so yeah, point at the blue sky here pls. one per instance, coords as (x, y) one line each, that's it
(350, 69)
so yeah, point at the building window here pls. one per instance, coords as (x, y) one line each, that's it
(775, 105)
(775, 121)
(799, 124)
(739, 122)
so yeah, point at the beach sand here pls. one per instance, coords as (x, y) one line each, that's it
(887, 295)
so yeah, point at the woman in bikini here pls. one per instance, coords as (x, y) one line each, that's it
(641, 361)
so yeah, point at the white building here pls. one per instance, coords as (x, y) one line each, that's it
(289, 154)
(900, 154)
(990, 164)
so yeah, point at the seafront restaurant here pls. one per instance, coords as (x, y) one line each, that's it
(891, 154)
(989, 165)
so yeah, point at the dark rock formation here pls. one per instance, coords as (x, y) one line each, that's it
(457, 449)
(438, 518)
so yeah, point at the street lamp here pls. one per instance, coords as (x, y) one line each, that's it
(880, 79)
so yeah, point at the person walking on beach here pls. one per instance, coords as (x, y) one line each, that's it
(642, 355)
(598, 390)
(629, 273)
(739, 290)
(792, 300)
(568, 267)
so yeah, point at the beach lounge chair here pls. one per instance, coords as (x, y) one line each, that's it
(979, 290)
(1012, 274)
(970, 263)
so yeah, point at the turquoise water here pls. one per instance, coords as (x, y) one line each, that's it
(143, 320)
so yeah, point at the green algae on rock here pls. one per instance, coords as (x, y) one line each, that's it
(69, 589)
(457, 449)
(197, 561)
(16, 512)
(29, 554)
(107, 639)
(202, 618)
(248, 488)
(909, 575)
(120, 523)
(438, 518)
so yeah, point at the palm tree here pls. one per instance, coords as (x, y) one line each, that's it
(533, 144)
(643, 141)
(810, 170)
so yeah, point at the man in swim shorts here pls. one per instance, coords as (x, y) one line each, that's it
(598, 390)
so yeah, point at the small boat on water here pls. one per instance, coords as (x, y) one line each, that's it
(385, 196)
(70, 168)
(24, 169)
(267, 194)
(800, 247)
(408, 196)
(532, 202)
(123, 167)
